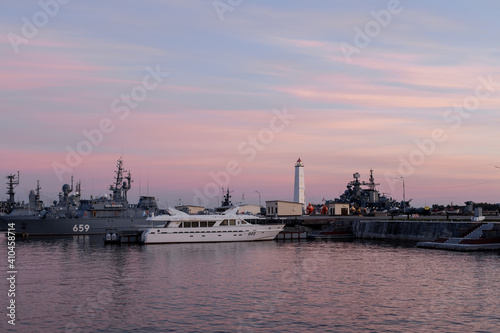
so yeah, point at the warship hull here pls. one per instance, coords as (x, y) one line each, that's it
(3, 224)
(62, 227)
(7, 221)
(72, 215)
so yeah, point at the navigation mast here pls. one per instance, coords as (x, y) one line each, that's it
(121, 187)
(13, 181)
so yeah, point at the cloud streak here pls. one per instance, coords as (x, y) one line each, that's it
(226, 76)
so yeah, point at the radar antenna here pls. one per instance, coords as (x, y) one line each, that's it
(13, 181)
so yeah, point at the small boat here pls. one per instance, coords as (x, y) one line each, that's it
(229, 227)
(332, 232)
(112, 236)
(339, 234)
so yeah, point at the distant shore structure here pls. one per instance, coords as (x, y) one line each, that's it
(299, 186)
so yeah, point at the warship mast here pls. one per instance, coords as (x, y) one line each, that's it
(38, 202)
(13, 181)
(120, 187)
(227, 199)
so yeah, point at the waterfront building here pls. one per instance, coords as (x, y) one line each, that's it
(336, 208)
(190, 209)
(280, 208)
(247, 208)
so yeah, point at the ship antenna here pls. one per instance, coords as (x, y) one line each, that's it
(127, 185)
(38, 188)
(11, 185)
(117, 187)
(140, 182)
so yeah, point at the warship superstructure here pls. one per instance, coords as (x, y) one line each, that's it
(364, 195)
(9, 206)
(72, 215)
(19, 210)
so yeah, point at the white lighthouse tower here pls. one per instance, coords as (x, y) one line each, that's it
(299, 186)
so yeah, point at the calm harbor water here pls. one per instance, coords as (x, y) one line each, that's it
(78, 284)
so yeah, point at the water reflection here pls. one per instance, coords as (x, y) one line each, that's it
(78, 284)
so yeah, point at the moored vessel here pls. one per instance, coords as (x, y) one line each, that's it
(180, 227)
(332, 231)
(74, 216)
(331, 234)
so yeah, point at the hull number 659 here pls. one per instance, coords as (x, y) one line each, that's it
(81, 227)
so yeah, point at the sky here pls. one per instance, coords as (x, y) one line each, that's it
(197, 95)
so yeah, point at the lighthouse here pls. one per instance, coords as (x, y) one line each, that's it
(299, 187)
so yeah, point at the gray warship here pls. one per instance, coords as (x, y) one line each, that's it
(72, 215)
(366, 199)
(19, 210)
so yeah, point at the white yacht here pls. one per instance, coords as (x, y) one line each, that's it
(184, 228)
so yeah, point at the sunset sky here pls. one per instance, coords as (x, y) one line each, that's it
(195, 94)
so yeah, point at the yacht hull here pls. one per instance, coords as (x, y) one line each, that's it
(244, 233)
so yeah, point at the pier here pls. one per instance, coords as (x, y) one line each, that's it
(291, 235)
(132, 236)
(460, 233)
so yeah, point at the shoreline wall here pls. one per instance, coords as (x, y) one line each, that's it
(411, 230)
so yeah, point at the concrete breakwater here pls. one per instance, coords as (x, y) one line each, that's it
(411, 230)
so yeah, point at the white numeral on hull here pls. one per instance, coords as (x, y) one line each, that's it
(81, 227)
